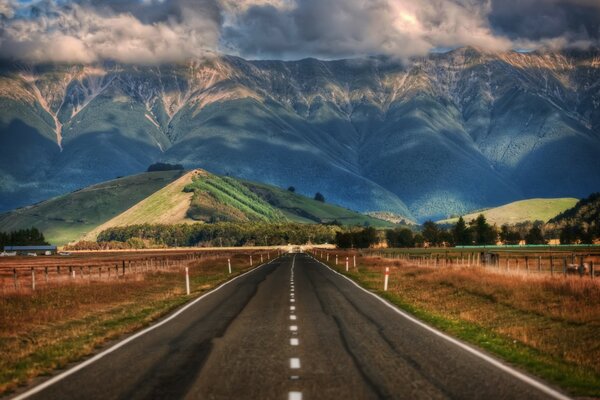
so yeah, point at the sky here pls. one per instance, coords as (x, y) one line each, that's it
(163, 31)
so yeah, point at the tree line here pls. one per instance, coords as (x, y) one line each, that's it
(223, 234)
(22, 237)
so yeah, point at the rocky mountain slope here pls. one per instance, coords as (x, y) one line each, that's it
(428, 138)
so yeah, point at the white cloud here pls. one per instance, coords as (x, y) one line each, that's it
(156, 31)
(84, 34)
(336, 28)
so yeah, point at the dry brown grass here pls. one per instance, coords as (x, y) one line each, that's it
(557, 318)
(58, 324)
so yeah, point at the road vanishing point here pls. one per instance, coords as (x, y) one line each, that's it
(290, 329)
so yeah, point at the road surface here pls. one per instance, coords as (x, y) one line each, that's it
(291, 329)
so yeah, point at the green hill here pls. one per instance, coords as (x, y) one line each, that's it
(521, 211)
(585, 211)
(299, 208)
(172, 197)
(66, 218)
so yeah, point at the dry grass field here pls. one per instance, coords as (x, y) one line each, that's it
(548, 325)
(69, 318)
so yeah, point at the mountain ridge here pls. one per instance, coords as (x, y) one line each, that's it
(441, 135)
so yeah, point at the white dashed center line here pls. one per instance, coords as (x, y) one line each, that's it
(294, 363)
(295, 396)
(294, 341)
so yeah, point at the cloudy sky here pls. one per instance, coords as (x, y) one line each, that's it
(156, 31)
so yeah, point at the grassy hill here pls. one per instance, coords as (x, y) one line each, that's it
(172, 197)
(521, 211)
(65, 218)
(217, 198)
(299, 208)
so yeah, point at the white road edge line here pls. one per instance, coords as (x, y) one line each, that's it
(519, 375)
(294, 363)
(294, 341)
(122, 343)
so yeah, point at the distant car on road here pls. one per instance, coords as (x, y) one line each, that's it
(8, 254)
(64, 253)
(32, 254)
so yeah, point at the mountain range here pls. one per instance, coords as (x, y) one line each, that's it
(425, 138)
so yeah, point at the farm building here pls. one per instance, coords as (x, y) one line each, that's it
(24, 250)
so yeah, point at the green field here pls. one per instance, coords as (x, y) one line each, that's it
(521, 211)
(66, 218)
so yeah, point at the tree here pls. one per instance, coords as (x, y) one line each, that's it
(419, 240)
(568, 235)
(509, 236)
(343, 240)
(164, 167)
(431, 232)
(319, 197)
(291, 189)
(535, 236)
(483, 233)
(462, 235)
(400, 237)
(446, 238)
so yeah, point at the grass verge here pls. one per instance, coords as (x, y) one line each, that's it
(547, 326)
(50, 328)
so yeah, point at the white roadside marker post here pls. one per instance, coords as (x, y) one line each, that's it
(229, 264)
(346, 264)
(336, 262)
(32, 278)
(187, 280)
(386, 279)
(327, 257)
(250, 260)
(354, 257)
(261, 258)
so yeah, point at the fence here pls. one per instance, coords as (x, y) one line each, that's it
(557, 263)
(24, 275)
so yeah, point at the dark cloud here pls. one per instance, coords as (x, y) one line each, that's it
(535, 20)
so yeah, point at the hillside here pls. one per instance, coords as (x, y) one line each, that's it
(425, 138)
(67, 217)
(521, 211)
(172, 197)
(303, 209)
(586, 212)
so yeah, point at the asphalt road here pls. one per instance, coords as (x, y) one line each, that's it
(291, 329)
